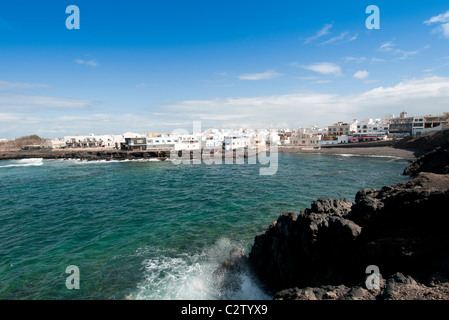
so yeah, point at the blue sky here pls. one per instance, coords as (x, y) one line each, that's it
(149, 65)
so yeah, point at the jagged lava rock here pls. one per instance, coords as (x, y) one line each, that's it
(309, 249)
(401, 228)
(435, 161)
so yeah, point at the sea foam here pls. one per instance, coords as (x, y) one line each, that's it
(23, 163)
(189, 277)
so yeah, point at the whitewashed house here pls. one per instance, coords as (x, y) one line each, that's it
(373, 128)
(236, 142)
(163, 141)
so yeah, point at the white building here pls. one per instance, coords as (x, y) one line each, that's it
(314, 130)
(98, 141)
(163, 141)
(418, 125)
(342, 128)
(236, 142)
(273, 137)
(373, 128)
(188, 142)
(212, 138)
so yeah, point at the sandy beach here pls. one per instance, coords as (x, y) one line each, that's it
(361, 151)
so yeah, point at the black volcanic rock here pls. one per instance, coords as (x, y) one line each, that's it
(82, 154)
(435, 161)
(339, 207)
(397, 287)
(425, 143)
(433, 152)
(309, 249)
(401, 228)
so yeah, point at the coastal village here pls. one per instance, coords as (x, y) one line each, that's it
(387, 128)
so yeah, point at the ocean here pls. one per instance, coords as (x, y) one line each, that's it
(154, 229)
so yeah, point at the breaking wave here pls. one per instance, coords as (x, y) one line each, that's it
(23, 163)
(185, 276)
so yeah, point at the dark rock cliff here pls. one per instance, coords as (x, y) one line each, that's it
(400, 229)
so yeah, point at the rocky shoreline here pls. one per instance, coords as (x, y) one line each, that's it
(89, 155)
(113, 154)
(323, 252)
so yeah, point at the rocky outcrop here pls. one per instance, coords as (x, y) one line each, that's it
(425, 143)
(401, 228)
(309, 249)
(396, 287)
(227, 277)
(436, 161)
(432, 150)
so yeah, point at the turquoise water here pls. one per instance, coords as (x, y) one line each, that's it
(154, 230)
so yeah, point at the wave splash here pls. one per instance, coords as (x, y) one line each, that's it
(24, 163)
(190, 277)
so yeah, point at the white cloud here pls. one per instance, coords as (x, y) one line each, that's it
(320, 33)
(361, 74)
(342, 38)
(7, 85)
(390, 48)
(89, 63)
(325, 68)
(387, 46)
(428, 95)
(357, 60)
(6, 117)
(269, 74)
(444, 29)
(443, 20)
(31, 102)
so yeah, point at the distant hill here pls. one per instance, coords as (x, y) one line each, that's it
(19, 143)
